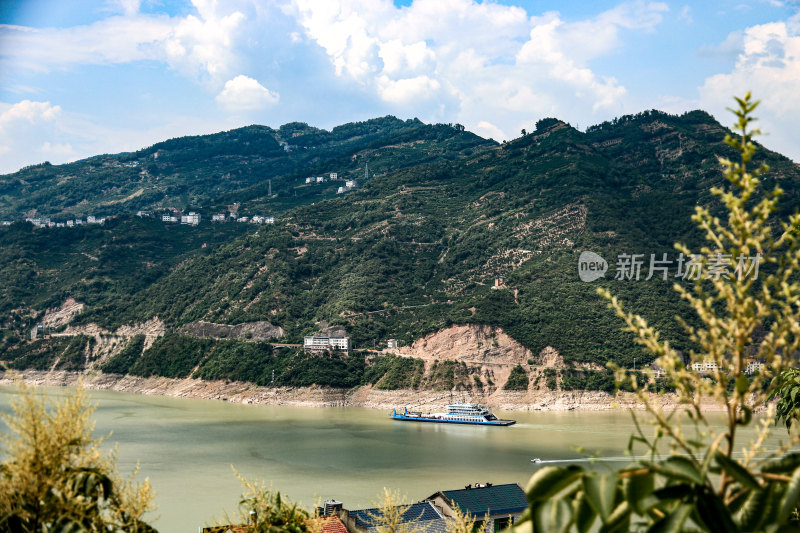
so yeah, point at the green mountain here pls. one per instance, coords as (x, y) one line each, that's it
(236, 166)
(416, 249)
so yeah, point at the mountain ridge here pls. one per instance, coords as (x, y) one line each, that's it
(418, 248)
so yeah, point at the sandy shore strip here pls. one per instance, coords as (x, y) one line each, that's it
(365, 396)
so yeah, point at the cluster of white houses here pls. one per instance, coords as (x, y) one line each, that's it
(708, 366)
(193, 219)
(47, 223)
(333, 176)
(349, 185)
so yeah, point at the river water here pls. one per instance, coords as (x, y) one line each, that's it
(187, 448)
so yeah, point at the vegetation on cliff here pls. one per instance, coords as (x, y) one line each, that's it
(416, 249)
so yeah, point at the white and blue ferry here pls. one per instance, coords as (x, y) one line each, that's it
(457, 413)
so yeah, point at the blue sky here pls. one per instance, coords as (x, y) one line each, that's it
(82, 77)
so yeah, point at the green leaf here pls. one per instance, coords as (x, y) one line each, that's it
(551, 480)
(619, 519)
(677, 467)
(600, 491)
(736, 471)
(674, 492)
(755, 509)
(673, 522)
(782, 465)
(713, 512)
(638, 488)
(584, 514)
(791, 497)
(742, 384)
(553, 515)
(523, 527)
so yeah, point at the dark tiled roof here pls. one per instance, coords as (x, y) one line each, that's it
(497, 499)
(417, 512)
(332, 524)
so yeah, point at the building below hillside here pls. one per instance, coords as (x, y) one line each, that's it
(322, 343)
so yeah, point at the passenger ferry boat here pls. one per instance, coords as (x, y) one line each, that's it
(457, 413)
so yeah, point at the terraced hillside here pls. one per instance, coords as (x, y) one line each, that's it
(420, 247)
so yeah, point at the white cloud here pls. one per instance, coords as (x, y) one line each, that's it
(475, 63)
(33, 132)
(489, 131)
(246, 94)
(201, 45)
(407, 90)
(768, 66)
(58, 149)
(29, 112)
(111, 40)
(686, 14)
(128, 7)
(28, 124)
(730, 48)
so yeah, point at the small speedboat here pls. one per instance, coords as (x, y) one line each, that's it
(536, 460)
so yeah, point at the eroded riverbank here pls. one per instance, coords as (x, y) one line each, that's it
(366, 396)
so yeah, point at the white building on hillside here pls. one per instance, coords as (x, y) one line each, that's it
(320, 343)
(192, 218)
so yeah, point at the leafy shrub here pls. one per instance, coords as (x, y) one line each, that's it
(517, 380)
(122, 361)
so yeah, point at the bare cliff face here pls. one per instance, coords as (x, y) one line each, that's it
(470, 343)
(488, 352)
(62, 315)
(255, 331)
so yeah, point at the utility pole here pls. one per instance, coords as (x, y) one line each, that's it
(270, 188)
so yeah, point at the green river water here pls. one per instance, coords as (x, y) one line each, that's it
(187, 447)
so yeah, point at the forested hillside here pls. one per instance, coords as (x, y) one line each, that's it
(418, 247)
(209, 172)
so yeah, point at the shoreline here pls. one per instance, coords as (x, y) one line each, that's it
(315, 396)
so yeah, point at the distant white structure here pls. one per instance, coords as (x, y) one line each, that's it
(309, 180)
(334, 176)
(316, 343)
(218, 217)
(242, 219)
(351, 184)
(753, 367)
(269, 220)
(707, 366)
(70, 223)
(320, 179)
(40, 222)
(340, 190)
(257, 219)
(191, 219)
(392, 344)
